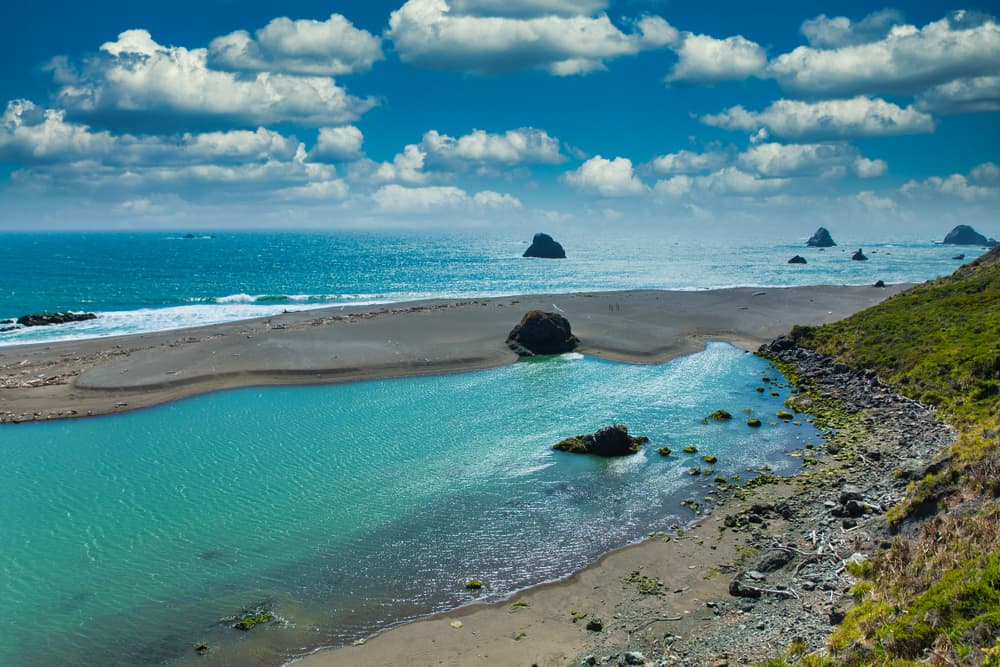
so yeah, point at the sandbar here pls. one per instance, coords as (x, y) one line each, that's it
(100, 376)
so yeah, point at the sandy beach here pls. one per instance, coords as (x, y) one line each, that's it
(110, 375)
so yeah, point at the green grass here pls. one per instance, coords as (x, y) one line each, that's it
(938, 342)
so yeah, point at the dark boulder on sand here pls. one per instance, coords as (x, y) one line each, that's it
(46, 319)
(542, 333)
(966, 235)
(821, 239)
(611, 440)
(543, 245)
(859, 256)
(798, 259)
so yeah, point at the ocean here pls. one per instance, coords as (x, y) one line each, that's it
(141, 282)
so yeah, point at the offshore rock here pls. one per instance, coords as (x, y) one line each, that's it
(966, 235)
(798, 259)
(542, 333)
(611, 440)
(543, 245)
(46, 319)
(821, 239)
(859, 256)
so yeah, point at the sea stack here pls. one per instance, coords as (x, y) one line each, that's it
(542, 333)
(859, 256)
(966, 235)
(821, 239)
(543, 245)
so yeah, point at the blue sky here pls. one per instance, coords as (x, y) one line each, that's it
(548, 114)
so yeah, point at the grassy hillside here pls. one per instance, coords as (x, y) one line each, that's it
(933, 597)
(938, 343)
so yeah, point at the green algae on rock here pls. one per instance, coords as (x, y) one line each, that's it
(611, 440)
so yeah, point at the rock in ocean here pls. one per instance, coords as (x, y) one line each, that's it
(821, 239)
(859, 256)
(966, 235)
(543, 245)
(798, 259)
(542, 333)
(46, 319)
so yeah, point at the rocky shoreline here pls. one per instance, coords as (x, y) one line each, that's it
(800, 537)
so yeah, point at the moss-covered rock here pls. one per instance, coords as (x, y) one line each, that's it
(753, 422)
(252, 619)
(663, 451)
(720, 415)
(784, 414)
(690, 449)
(611, 440)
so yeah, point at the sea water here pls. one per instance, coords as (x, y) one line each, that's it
(141, 282)
(128, 539)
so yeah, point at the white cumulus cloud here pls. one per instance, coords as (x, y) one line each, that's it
(337, 144)
(428, 33)
(524, 145)
(723, 182)
(969, 95)
(705, 59)
(136, 79)
(907, 60)
(982, 183)
(987, 172)
(407, 167)
(688, 162)
(774, 159)
(31, 134)
(607, 178)
(318, 48)
(826, 119)
(526, 8)
(874, 201)
(397, 198)
(491, 199)
(865, 168)
(824, 32)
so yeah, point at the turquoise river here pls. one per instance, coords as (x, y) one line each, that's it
(345, 509)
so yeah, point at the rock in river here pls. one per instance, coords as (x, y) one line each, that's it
(543, 245)
(611, 440)
(542, 333)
